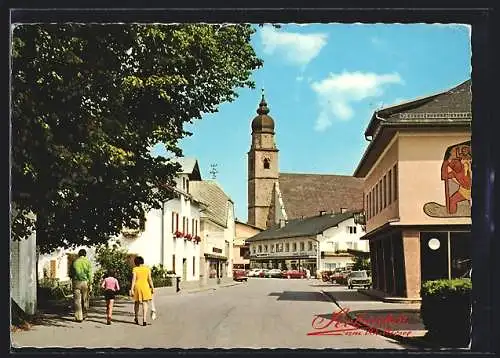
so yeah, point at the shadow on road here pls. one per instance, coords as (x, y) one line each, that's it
(60, 313)
(345, 296)
(299, 296)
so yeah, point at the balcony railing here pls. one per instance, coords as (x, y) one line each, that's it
(285, 253)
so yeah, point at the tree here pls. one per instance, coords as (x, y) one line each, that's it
(361, 263)
(88, 103)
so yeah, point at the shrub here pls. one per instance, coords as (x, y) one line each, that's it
(445, 310)
(116, 259)
(160, 276)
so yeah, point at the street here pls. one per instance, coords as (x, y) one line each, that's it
(263, 313)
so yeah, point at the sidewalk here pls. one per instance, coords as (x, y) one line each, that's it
(400, 322)
(196, 286)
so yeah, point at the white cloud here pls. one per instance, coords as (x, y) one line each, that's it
(298, 49)
(299, 78)
(337, 92)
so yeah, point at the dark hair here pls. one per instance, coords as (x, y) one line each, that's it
(138, 260)
(109, 273)
(82, 252)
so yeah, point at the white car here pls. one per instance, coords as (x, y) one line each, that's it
(254, 272)
(358, 278)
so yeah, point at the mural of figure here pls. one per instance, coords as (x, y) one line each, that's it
(456, 172)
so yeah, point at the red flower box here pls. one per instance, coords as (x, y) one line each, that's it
(178, 234)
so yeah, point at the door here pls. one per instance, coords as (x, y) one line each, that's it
(184, 269)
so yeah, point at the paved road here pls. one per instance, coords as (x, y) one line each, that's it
(263, 313)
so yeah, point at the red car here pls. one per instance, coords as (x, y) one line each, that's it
(294, 274)
(240, 275)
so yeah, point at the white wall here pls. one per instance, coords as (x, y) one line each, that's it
(61, 259)
(23, 273)
(148, 243)
(229, 236)
(338, 238)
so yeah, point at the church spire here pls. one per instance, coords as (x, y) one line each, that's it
(263, 109)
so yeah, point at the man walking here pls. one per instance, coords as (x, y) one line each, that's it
(82, 284)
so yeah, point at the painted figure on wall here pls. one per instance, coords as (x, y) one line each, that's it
(456, 173)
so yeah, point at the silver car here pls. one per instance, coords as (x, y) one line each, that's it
(358, 279)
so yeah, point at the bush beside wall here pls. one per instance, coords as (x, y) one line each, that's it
(445, 310)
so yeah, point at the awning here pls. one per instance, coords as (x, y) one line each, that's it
(216, 257)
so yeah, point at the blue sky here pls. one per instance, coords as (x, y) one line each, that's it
(322, 83)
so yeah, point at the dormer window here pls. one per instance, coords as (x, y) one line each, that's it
(267, 163)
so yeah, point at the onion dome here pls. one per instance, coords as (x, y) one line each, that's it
(263, 123)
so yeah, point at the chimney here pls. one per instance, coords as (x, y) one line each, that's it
(343, 210)
(322, 212)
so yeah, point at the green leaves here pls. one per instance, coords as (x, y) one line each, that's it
(446, 287)
(88, 102)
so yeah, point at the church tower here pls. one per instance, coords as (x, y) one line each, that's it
(262, 167)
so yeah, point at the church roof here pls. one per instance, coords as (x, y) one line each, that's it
(305, 195)
(309, 226)
(216, 201)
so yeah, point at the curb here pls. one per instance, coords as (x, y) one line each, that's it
(390, 300)
(416, 342)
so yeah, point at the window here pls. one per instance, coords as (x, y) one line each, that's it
(194, 265)
(380, 195)
(183, 224)
(373, 202)
(287, 247)
(173, 222)
(395, 170)
(183, 183)
(309, 245)
(173, 263)
(351, 229)
(254, 250)
(267, 163)
(376, 199)
(385, 191)
(260, 248)
(265, 248)
(367, 205)
(176, 222)
(294, 247)
(369, 210)
(272, 248)
(389, 187)
(302, 246)
(187, 186)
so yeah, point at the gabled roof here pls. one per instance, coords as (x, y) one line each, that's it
(213, 197)
(305, 195)
(310, 226)
(189, 166)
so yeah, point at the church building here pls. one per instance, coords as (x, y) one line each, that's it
(274, 196)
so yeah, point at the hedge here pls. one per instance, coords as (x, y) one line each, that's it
(445, 310)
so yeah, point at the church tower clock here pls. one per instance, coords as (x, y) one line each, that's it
(262, 167)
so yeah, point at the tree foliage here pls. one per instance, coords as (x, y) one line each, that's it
(88, 104)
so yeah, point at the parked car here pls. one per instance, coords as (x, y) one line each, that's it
(240, 275)
(263, 273)
(294, 274)
(274, 273)
(336, 276)
(358, 279)
(254, 272)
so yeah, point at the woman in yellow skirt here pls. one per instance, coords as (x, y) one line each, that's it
(141, 288)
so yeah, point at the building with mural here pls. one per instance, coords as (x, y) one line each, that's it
(417, 191)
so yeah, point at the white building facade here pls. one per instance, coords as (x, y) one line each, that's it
(170, 235)
(314, 243)
(218, 231)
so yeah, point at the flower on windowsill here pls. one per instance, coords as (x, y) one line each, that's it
(188, 236)
(178, 234)
(197, 239)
